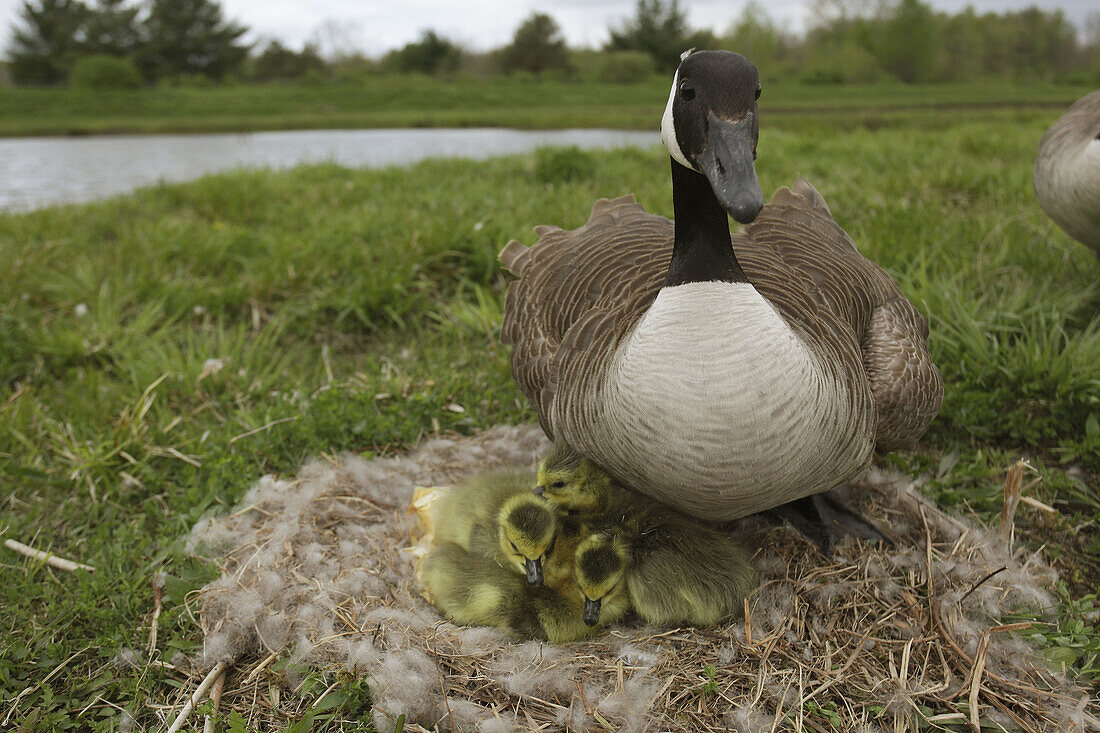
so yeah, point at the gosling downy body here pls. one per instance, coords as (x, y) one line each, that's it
(474, 590)
(533, 539)
(722, 377)
(679, 570)
(572, 482)
(471, 507)
(600, 570)
(1067, 172)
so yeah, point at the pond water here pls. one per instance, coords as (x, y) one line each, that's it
(37, 172)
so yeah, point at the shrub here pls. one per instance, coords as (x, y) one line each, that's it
(100, 71)
(555, 165)
(624, 67)
(846, 63)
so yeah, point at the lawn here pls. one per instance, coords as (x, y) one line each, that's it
(161, 351)
(419, 101)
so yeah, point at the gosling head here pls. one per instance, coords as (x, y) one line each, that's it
(711, 126)
(527, 529)
(599, 567)
(572, 482)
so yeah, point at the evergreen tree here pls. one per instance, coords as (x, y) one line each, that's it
(190, 37)
(432, 54)
(277, 61)
(909, 44)
(47, 40)
(659, 29)
(112, 28)
(537, 46)
(756, 35)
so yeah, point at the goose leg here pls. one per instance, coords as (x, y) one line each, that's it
(825, 521)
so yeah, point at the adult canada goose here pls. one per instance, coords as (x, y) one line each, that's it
(721, 377)
(1067, 172)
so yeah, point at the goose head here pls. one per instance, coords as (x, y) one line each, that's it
(711, 126)
(527, 532)
(599, 568)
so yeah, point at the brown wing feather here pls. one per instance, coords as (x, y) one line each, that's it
(601, 275)
(891, 334)
(581, 291)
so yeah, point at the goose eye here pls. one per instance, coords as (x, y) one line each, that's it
(757, 93)
(687, 90)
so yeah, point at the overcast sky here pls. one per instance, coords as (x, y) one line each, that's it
(376, 26)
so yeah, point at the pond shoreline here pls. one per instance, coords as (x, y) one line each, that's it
(37, 172)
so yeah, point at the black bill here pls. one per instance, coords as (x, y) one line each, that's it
(727, 162)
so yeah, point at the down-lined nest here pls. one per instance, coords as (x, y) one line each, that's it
(317, 568)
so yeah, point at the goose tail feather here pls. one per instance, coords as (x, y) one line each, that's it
(514, 257)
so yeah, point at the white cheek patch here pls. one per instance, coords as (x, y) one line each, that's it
(668, 129)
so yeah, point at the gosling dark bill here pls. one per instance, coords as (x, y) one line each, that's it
(534, 571)
(591, 612)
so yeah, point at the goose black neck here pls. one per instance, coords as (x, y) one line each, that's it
(702, 251)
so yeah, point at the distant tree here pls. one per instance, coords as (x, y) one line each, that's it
(1091, 51)
(46, 40)
(830, 13)
(757, 37)
(621, 67)
(536, 47)
(1045, 43)
(964, 46)
(432, 54)
(278, 62)
(112, 28)
(909, 43)
(659, 29)
(191, 37)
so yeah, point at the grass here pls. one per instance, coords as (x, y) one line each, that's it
(160, 351)
(418, 101)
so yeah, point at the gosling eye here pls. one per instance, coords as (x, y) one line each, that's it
(557, 485)
(514, 548)
(687, 90)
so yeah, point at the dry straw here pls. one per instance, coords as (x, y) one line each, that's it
(316, 570)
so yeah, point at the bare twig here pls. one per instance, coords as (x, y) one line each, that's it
(197, 697)
(47, 557)
(1031, 501)
(981, 582)
(976, 682)
(215, 700)
(260, 667)
(260, 429)
(158, 592)
(1013, 493)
